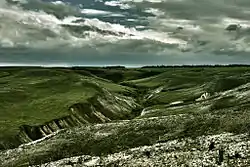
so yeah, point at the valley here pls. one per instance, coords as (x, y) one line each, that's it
(116, 116)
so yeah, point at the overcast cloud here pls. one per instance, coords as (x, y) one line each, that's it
(126, 32)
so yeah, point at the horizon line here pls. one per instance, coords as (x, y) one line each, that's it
(126, 66)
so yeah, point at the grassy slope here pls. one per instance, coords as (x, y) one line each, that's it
(223, 111)
(173, 77)
(118, 75)
(188, 84)
(34, 96)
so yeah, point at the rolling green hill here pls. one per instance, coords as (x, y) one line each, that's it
(35, 96)
(77, 113)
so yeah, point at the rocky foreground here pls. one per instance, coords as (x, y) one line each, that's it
(215, 150)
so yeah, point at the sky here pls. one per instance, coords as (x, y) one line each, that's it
(124, 32)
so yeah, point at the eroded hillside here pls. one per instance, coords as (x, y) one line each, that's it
(36, 102)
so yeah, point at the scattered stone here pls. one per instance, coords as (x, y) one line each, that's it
(69, 163)
(204, 96)
(93, 162)
(80, 160)
(237, 155)
(147, 153)
(212, 146)
(221, 156)
(186, 152)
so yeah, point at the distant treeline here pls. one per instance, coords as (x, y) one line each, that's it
(124, 67)
(196, 66)
(104, 67)
(114, 67)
